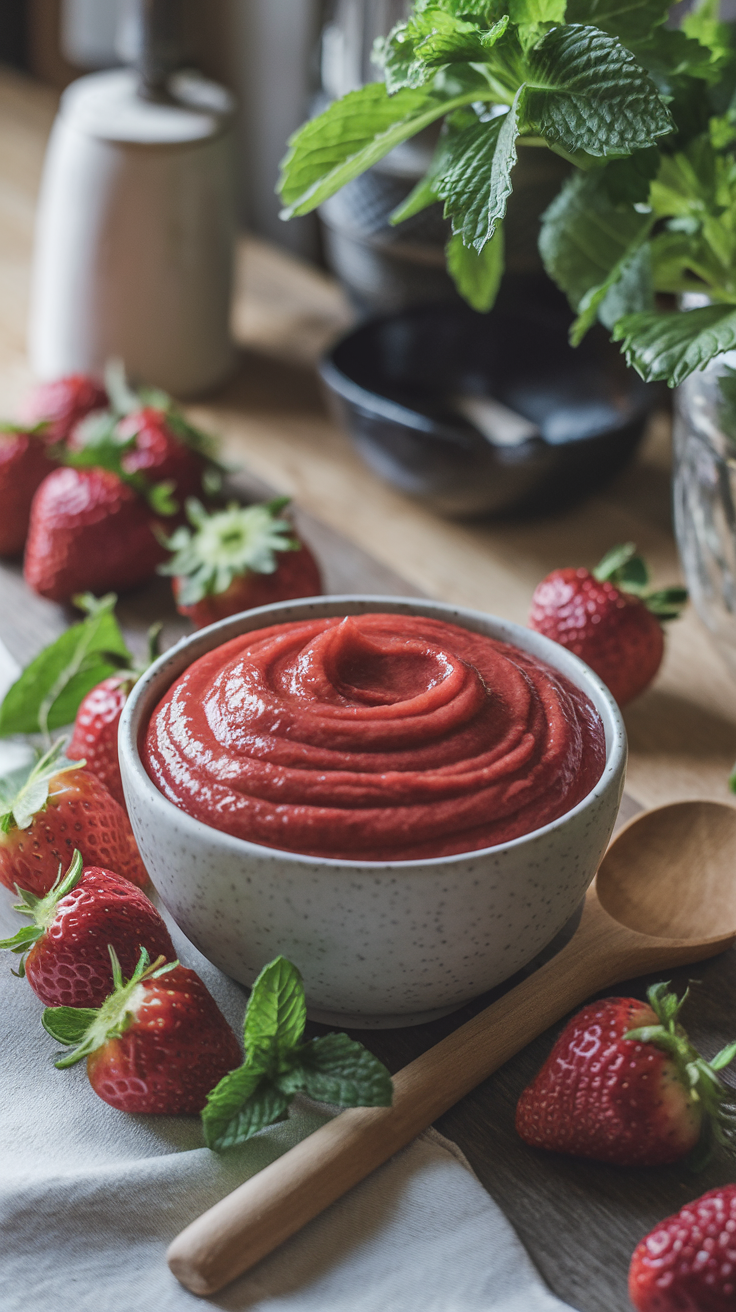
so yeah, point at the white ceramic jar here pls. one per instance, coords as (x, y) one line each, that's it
(379, 943)
(135, 234)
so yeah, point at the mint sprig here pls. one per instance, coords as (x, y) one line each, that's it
(47, 695)
(516, 72)
(278, 1065)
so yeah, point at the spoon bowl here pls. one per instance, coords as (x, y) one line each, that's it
(665, 895)
(670, 873)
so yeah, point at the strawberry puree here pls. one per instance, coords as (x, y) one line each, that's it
(378, 737)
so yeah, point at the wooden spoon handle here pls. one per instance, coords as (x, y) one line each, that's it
(258, 1216)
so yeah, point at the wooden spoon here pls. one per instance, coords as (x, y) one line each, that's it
(665, 895)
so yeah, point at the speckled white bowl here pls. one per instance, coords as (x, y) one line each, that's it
(378, 943)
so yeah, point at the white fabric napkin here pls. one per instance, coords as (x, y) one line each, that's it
(90, 1197)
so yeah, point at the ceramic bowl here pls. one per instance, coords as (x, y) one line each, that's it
(378, 943)
(486, 413)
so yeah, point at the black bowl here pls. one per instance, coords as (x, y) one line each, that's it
(407, 388)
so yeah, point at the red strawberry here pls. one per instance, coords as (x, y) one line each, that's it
(236, 559)
(68, 963)
(62, 403)
(158, 1044)
(609, 618)
(89, 532)
(95, 736)
(59, 808)
(161, 454)
(688, 1262)
(623, 1084)
(24, 464)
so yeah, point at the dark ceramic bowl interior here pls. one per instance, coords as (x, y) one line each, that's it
(396, 382)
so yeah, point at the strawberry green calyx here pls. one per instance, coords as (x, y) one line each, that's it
(41, 910)
(18, 811)
(104, 448)
(627, 570)
(700, 1077)
(226, 545)
(89, 1028)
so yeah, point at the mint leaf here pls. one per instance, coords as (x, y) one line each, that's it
(584, 236)
(68, 1024)
(430, 38)
(537, 11)
(630, 20)
(586, 93)
(339, 1070)
(354, 133)
(48, 693)
(276, 1066)
(276, 1008)
(239, 1106)
(670, 347)
(628, 282)
(477, 276)
(475, 174)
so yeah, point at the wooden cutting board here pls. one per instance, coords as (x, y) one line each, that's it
(580, 1221)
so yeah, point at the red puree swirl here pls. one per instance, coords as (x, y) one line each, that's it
(375, 738)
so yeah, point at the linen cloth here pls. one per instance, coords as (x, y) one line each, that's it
(90, 1197)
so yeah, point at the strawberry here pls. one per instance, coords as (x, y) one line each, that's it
(610, 618)
(89, 532)
(95, 735)
(61, 807)
(688, 1262)
(60, 405)
(236, 559)
(161, 451)
(68, 963)
(24, 463)
(623, 1084)
(159, 1043)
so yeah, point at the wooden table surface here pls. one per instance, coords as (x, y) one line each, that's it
(579, 1220)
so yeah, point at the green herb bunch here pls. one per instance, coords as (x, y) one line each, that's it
(645, 112)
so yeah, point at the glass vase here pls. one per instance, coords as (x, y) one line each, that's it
(705, 497)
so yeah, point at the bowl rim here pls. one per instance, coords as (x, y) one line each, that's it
(642, 396)
(146, 694)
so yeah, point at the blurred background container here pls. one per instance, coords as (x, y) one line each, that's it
(284, 59)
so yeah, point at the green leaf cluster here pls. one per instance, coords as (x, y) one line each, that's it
(646, 112)
(278, 1065)
(530, 72)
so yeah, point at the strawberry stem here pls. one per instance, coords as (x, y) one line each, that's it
(628, 572)
(697, 1075)
(227, 545)
(33, 794)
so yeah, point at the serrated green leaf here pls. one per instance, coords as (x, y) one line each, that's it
(669, 347)
(474, 176)
(339, 1070)
(586, 92)
(68, 1024)
(630, 20)
(276, 1008)
(477, 276)
(584, 236)
(47, 694)
(532, 12)
(703, 24)
(352, 134)
(626, 289)
(243, 1103)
